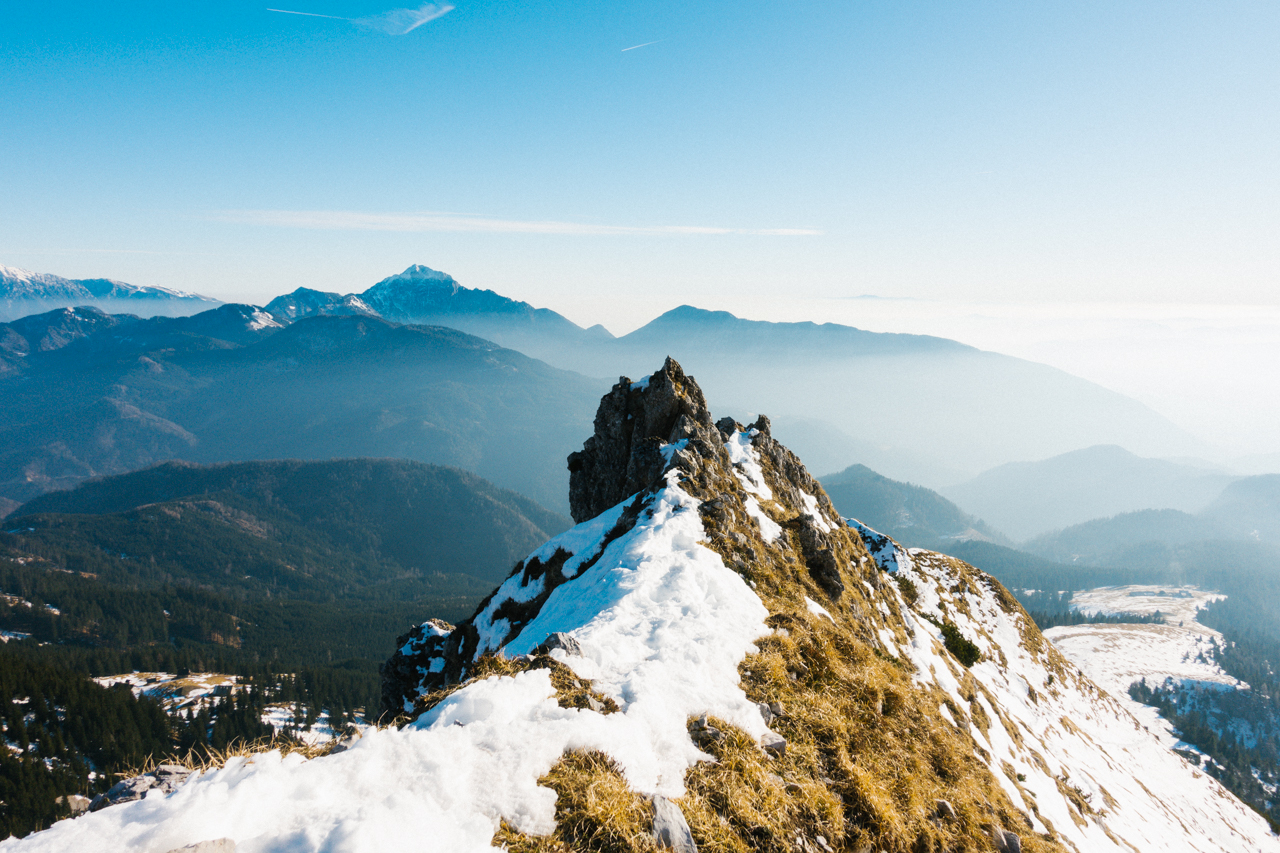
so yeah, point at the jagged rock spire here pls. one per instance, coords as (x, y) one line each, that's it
(632, 423)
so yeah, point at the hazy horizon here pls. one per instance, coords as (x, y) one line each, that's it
(1084, 185)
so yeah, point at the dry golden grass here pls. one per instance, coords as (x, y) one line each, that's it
(213, 759)
(869, 755)
(571, 691)
(595, 810)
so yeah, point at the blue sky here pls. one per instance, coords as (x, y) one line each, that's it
(966, 151)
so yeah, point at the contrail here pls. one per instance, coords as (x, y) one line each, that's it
(397, 22)
(646, 44)
(309, 14)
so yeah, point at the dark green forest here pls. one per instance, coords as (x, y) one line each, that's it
(296, 577)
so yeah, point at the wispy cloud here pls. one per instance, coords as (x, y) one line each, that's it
(341, 220)
(396, 22)
(638, 46)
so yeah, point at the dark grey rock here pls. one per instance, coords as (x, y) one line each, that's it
(765, 712)
(634, 419)
(704, 733)
(1007, 842)
(166, 778)
(777, 710)
(820, 558)
(945, 810)
(559, 640)
(123, 791)
(670, 829)
(727, 427)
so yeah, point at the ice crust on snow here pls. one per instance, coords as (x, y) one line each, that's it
(663, 624)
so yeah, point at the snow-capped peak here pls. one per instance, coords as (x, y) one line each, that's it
(417, 273)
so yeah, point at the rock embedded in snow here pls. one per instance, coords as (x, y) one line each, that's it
(558, 640)
(166, 778)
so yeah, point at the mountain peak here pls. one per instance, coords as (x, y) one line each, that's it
(633, 422)
(419, 273)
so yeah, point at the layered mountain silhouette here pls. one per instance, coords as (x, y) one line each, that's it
(911, 514)
(1026, 499)
(97, 394)
(123, 393)
(997, 408)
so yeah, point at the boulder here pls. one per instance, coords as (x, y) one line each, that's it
(670, 829)
(559, 640)
(774, 744)
(1007, 842)
(166, 778)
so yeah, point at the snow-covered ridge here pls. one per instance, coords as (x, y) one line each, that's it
(1058, 729)
(673, 599)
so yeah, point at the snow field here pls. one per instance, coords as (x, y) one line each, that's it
(663, 625)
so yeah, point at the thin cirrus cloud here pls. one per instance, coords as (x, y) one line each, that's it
(396, 22)
(339, 220)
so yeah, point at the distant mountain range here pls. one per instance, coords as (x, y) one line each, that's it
(997, 408)
(1026, 499)
(97, 393)
(423, 296)
(23, 292)
(88, 394)
(1247, 510)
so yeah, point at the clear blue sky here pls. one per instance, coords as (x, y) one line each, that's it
(973, 151)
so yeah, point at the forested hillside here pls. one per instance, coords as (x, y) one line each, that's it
(294, 577)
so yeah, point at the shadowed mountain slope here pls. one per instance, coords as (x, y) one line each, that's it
(231, 385)
(911, 514)
(1028, 498)
(368, 520)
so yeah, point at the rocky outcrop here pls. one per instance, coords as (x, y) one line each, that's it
(643, 429)
(166, 778)
(633, 422)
